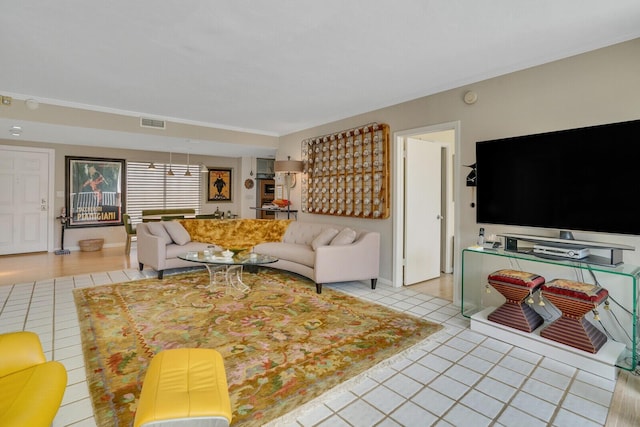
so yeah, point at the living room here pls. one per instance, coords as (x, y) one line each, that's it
(540, 99)
(595, 87)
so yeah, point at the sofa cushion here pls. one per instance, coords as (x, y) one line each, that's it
(579, 290)
(177, 232)
(174, 250)
(301, 254)
(519, 278)
(324, 238)
(345, 237)
(158, 230)
(303, 233)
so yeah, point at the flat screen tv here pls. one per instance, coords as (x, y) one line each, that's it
(584, 179)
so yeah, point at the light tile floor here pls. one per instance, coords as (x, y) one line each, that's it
(458, 377)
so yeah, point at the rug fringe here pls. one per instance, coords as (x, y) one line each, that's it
(291, 417)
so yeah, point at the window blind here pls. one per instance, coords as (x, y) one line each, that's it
(153, 189)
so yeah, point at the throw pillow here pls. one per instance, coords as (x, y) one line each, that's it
(324, 238)
(177, 232)
(345, 237)
(158, 230)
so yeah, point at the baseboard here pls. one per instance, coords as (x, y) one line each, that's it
(385, 282)
(106, 245)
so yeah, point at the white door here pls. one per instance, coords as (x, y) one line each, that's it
(24, 201)
(422, 211)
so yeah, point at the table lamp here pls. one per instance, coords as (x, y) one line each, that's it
(288, 167)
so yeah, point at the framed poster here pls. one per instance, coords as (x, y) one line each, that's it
(95, 190)
(219, 185)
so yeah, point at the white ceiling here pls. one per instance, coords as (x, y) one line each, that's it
(279, 66)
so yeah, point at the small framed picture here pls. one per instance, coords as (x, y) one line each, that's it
(220, 183)
(279, 195)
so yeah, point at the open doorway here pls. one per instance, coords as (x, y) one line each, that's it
(424, 208)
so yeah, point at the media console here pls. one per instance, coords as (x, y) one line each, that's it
(600, 253)
(620, 321)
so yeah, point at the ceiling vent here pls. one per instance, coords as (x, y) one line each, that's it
(152, 123)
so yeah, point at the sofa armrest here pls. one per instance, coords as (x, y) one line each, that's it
(152, 250)
(18, 351)
(357, 261)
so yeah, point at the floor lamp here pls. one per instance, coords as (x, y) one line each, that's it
(288, 167)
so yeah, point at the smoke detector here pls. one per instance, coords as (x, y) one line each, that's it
(470, 97)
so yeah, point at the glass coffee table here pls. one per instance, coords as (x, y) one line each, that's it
(227, 270)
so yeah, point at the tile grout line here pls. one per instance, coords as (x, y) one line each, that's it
(53, 322)
(565, 393)
(28, 309)
(472, 387)
(519, 389)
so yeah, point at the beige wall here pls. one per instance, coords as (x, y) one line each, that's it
(598, 87)
(115, 236)
(90, 119)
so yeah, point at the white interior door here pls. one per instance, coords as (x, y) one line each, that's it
(422, 211)
(24, 201)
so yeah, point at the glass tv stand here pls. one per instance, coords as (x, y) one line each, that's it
(619, 321)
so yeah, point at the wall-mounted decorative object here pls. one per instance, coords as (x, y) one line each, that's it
(472, 178)
(347, 173)
(472, 181)
(95, 191)
(220, 185)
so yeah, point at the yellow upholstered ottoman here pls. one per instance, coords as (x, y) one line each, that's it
(185, 387)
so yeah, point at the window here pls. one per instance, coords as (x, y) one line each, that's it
(153, 189)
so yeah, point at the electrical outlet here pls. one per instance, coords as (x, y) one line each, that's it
(6, 100)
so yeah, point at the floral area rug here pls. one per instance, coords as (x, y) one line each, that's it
(283, 344)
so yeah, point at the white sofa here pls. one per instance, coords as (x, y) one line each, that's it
(322, 252)
(326, 263)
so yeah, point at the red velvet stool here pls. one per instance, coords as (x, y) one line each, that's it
(516, 286)
(574, 300)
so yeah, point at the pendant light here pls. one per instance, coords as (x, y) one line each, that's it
(188, 172)
(170, 173)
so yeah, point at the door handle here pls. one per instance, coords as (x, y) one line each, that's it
(439, 216)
